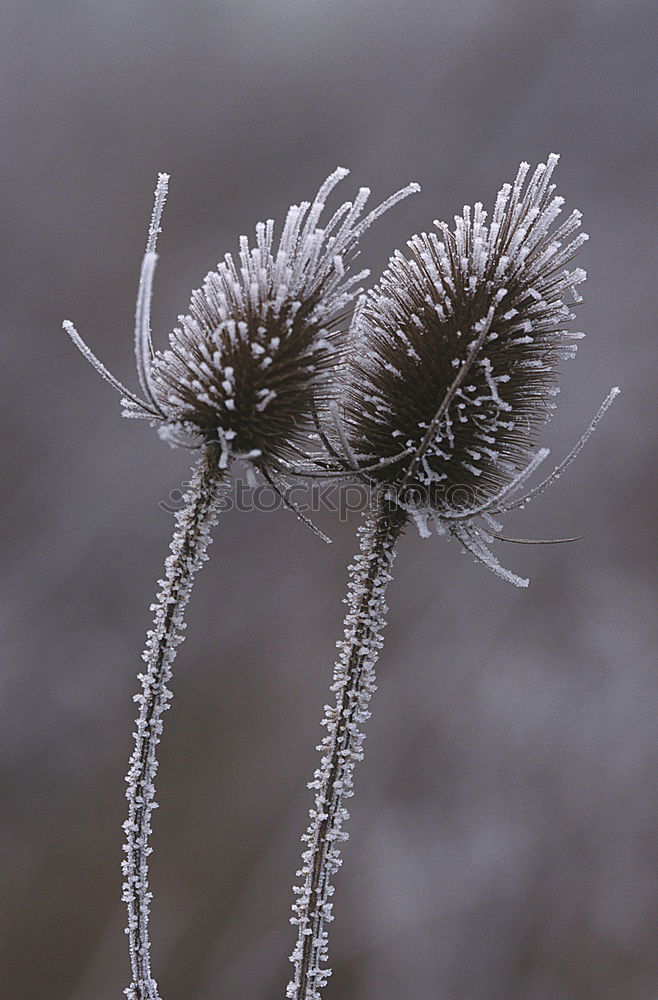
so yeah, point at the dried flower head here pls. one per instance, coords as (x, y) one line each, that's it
(456, 363)
(257, 348)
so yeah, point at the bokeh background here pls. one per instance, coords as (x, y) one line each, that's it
(503, 839)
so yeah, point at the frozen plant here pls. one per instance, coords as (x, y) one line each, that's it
(244, 376)
(452, 368)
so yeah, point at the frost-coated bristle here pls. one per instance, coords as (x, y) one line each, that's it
(456, 348)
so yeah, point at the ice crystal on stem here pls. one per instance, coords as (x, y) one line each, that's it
(342, 746)
(187, 554)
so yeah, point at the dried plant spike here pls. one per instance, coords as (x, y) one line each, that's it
(451, 370)
(258, 347)
(455, 359)
(460, 341)
(243, 377)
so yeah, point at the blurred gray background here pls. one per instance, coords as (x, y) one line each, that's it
(503, 839)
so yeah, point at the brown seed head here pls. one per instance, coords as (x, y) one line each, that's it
(459, 343)
(256, 350)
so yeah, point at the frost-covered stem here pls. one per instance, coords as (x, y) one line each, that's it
(341, 748)
(187, 553)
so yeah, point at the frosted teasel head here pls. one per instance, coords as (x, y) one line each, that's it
(255, 353)
(455, 365)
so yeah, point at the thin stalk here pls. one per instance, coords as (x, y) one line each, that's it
(353, 685)
(187, 554)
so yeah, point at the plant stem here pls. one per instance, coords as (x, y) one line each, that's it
(187, 553)
(353, 684)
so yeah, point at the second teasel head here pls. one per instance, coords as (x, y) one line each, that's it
(458, 346)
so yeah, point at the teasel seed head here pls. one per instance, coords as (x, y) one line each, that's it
(483, 305)
(453, 366)
(256, 351)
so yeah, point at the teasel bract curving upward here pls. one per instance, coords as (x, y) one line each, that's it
(450, 372)
(243, 377)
